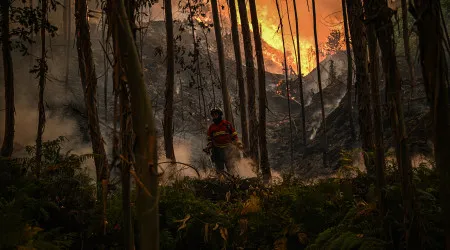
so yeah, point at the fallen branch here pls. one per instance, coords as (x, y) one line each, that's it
(185, 164)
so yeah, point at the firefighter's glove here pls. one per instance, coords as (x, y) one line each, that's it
(239, 145)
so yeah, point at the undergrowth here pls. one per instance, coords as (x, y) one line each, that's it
(58, 210)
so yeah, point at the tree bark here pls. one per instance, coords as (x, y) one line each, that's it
(349, 71)
(324, 124)
(68, 36)
(123, 116)
(377, 118)
(287, 86)
(264, 155)
(251, 89)
(300, 77)
(42, 80)
(359, 44)
(223, 77)
(8, 70)
(434, 68)
(89, 86)
(147, 210)
(385, 33)
(406, 41)
(170, 82)
(239, 73)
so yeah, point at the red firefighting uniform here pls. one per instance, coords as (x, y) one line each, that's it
(220, 139)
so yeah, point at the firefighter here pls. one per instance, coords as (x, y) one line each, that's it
(223, 142)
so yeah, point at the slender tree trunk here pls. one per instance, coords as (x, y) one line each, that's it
(8, 70)
(105, 69)
(31, 49)
(147, 210)
(359, 44)
(377, 117)
(406, 41)
(349, 71)
(89, 84)
(126, 132)
(435, 71)
(324, 125)
(42, 80)
(239, 73)
(170, 82)
(300, 77)
(385, 34)
(251, 89)
(287, 86)
(221, 55)
(68, 37)
(290, 29)
(264, 155)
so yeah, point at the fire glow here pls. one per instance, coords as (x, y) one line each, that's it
(270, 33)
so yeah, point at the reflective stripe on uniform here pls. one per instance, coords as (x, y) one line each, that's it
(220, 133)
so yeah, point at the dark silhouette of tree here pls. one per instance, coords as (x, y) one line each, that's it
(8, 70)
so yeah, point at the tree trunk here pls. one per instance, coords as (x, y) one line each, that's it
(349, 71)
(223, 77)
(239, 73)
(251, 89)
(147, 210)
(170, 82)
(287, 87)
(406, 41)
(264, 155)
(89, 86)
(385, 34)
(324, 125)
(359, 44)
(42, 80)
(377, 118)
(126, 134)
(434, 68)
(8, 70)
(299, 71)
(105, 68)
(68, 35)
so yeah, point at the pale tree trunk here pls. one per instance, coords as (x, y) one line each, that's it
(89, 86)
(324, 125)
(434, 68)
(349, 71)
(287, 86)
(170, 82)
(223, 77)
(299, 71)
(239, 73)
(145, 153)
(264, 155)
(406, 41)
(359, 45)
(8, 70)
(377, 118)
(42, 80)
(385, 34)
(251, 89)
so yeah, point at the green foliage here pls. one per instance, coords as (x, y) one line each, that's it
(58, 210)
(51, 212)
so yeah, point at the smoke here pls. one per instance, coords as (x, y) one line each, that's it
(56, 97)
